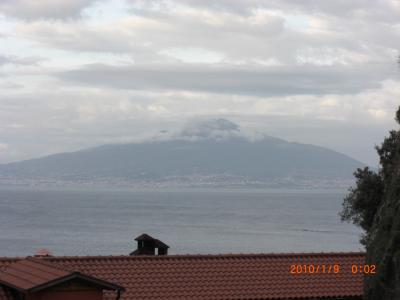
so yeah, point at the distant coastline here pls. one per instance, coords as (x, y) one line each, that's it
(189, 182)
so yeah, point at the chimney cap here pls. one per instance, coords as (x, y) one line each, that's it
(146, 237)
(43, 252)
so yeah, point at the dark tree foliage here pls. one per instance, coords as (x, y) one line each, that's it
(362, 202)
(388, 151)
(374, 205)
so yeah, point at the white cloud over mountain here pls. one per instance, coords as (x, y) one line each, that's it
(79, 73)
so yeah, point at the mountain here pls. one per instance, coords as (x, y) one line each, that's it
(223, 160)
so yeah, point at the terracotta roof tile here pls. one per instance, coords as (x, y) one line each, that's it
(34, 274)
(230, 276)
(28, 273)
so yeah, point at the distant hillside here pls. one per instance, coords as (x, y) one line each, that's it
(227, 161)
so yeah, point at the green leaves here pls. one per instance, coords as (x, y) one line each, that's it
(362, 202)
(360, 206)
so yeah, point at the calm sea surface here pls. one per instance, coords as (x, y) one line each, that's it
(190, 221)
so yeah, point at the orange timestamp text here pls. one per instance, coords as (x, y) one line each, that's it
(331, 269)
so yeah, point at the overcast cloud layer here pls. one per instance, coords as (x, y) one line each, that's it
(79, 73)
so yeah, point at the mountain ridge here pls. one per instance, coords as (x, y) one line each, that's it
(226, 161)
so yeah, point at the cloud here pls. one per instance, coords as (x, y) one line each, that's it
(210, 129)
(377, 10)
(16, 60)
(43, 9)
(9, 85)
(74, 36)
(271, 32)
(223, 79)
(322, 72)
(3, 147)
(68, 118)
(152, 33)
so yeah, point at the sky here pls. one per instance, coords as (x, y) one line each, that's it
(81, 73)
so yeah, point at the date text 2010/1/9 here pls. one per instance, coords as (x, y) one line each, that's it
(330, 268)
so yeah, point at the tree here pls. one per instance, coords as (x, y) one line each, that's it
(374, 205)
(361, 204)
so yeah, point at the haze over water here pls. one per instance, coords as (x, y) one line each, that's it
(189, 221)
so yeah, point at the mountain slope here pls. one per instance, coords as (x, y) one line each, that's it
(235, 157)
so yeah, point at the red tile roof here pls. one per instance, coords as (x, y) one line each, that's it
(33, 274)
(236, 276)
(29, 273)
(6, 261)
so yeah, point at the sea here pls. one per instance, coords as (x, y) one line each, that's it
(190, 221)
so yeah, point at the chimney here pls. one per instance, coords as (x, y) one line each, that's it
(148, 245)
(43, 253)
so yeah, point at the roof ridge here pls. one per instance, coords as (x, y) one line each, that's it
(35, 274)
(46, 263)
(16, 276)
(37, 261)
(49, 259)
(11, 267)
(210, 256)
(11, 258)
